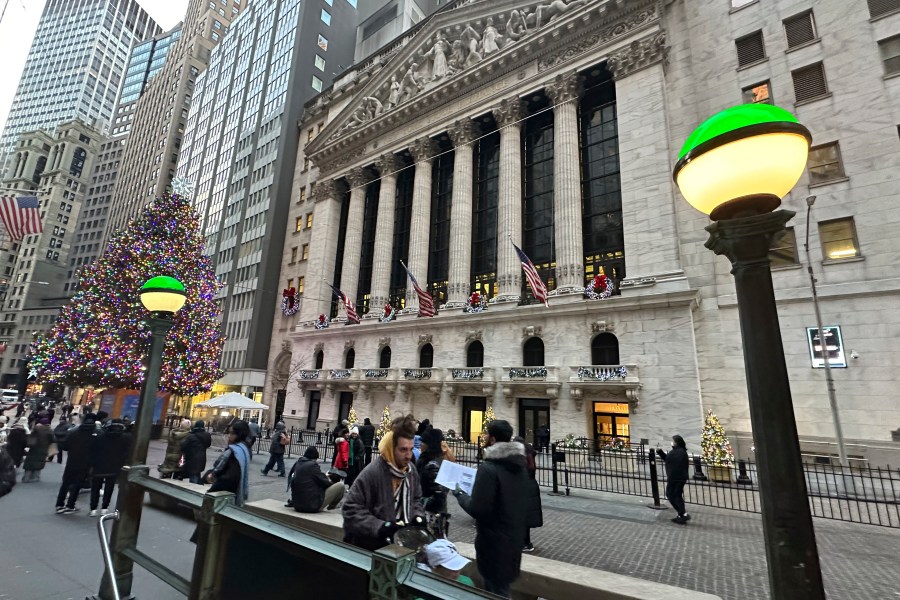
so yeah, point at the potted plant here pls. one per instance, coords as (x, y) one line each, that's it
(576, 450)
(616, 454)
(717, 452)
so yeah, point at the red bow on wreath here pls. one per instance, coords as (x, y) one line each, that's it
(476, 297)
(600, 282)
(322, 318)
(291, 295)
(387, 308)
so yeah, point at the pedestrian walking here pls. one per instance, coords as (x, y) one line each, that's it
(80, 444)
(280, 439)
(434, 495)
(355, 456)
(367, 435)
(543, 438)
(17, 441)
(109, 453)
(60, 434)
(387, 494)
(38, 448)
(254, 436)
(193, 449)
(341, 460)
(311, 490)
(535, 513)
(677, 471)
(7, 472)
(501, 517)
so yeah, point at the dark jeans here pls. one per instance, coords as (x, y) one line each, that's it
(71, 483)
(368, 455)
(109, 484)
(196, 478)
(501, 589)
(675, 495)
(59, 457)
(275, 460)
(250, 445)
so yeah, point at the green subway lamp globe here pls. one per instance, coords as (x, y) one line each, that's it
(163, 295)
(742, 161)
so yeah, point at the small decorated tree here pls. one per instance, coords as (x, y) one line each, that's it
(385, 425)
(485, 421)
(716, 447)
(352, 418)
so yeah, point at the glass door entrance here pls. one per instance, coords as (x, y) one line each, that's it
(474, 408)
(611, 420)
(534, 415)
(344, 407)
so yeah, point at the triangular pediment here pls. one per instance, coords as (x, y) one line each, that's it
(457, 46)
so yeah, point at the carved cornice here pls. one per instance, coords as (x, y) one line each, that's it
(359, 176)
(326, 189)
(565, 87)
(509, 111)
(423, 149)
(463, 132)
(638, 55)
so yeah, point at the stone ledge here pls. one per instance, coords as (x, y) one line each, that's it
(540, 578)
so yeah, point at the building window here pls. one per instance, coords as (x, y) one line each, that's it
(439, 238)
(323, 42)
(537, 212)
(878, 8)
(605, 349)
(759, 93)
(475, 354)
(384, 358)
(533, 353)
(329, 2)
(838, 238)
(290, 283)
(294, 251)
(426, 356)
(305, 254)
(319, 360)
(750, 49)
(800, 29)
(316, 84)
(320, 63)
(351, 3)
(825, 163)
(326, 17)
(484, 216)
(302, 193)
(809, 82)
(300, 284)
(298, 224)
(349, 358)
(309, 220)
(214, 36)
(890, 54)
(783, 251)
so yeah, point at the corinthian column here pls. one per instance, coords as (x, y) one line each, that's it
(462, 133)
(358, 179)
(509, 207)
(567, 216)
(422, 151)
(327, 197)
(384, 237)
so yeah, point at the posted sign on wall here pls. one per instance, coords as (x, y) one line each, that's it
(834, 344)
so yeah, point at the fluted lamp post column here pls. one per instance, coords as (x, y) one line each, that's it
(162, 297)
(736, 167)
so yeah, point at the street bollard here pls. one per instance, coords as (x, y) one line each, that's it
(698, 470)
(555, 458)
(743, 478)
(654, 481)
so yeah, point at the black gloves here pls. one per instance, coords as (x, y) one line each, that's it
(387, 530)
(660, 452)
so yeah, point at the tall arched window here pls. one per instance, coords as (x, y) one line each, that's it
(605, 350)
(384, 358)
(349, 358)
(319, 359)
(78, 158)
(426, 357)
(475, 354)
(533, 352)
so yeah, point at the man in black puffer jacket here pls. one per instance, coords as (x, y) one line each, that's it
(677, 471)
(108, 455)
(311, 490)
(496, 505)
(193, 449)
(79, 443)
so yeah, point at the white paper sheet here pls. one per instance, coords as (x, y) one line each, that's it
(452, 474)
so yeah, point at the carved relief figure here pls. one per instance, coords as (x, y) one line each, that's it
(394, 95)
(546, 13)
(516, 28)
(491, 38)
(372, 107)
(438, 56)
(410, 85)
(457, 58)
(470, 39)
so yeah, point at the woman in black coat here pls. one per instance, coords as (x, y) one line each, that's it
(355, 457)
(533, 498)
(193, 448)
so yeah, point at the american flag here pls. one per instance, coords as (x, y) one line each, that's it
(531, 274)
(426, 303)
(21, 215)
(352, 317)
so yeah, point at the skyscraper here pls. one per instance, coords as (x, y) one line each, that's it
(75, 65)
(240, 149)
(146, 60)
(160, 115)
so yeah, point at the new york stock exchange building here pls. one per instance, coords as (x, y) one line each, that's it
(555, 126)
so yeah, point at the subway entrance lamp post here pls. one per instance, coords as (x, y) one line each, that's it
(736, 167)
(162, 297)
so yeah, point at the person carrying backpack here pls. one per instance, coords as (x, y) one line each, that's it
(280, 439)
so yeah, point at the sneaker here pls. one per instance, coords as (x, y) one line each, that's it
(680, 520)
(60, 510)
(281, 475)
(69, 511)
(104, 511)
(687, 517)
(263, 471)
(93, 513)
(528, 548)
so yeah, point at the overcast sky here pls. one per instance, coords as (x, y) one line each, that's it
(19, 22)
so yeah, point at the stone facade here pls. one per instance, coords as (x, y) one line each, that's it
(482, 67)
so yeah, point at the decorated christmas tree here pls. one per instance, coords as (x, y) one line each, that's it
(716, 447)
(352, 419)
(385, 424)
(101, 338)
(485, 421)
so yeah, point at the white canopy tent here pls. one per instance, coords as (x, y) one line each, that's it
(232, 400)
(222, 409)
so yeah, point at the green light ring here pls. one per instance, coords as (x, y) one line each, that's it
(163, 283)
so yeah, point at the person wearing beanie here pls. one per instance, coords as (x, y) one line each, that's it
(434, 495)
(170, 465)
(417, 441)
(280, 439)
(38, 449)
(355, 456)
(496, 504)
(311, 490)
(367, 436)
(80, 444)
(677, 472)
(108, 455)
(193, 449)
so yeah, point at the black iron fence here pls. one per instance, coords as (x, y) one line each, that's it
(858, 494)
